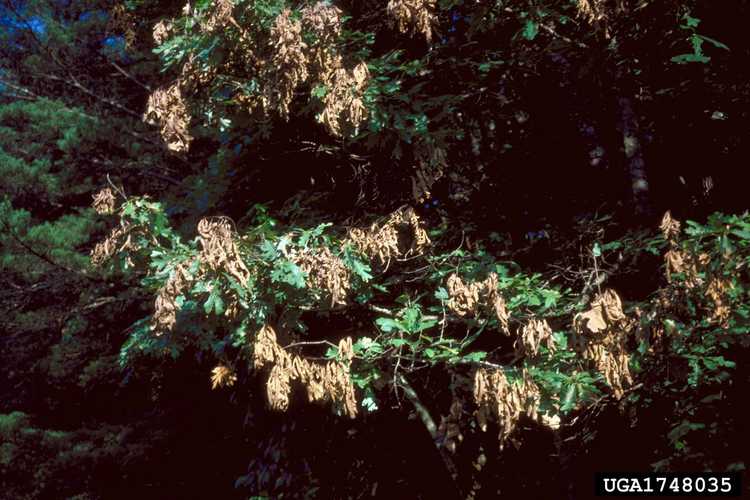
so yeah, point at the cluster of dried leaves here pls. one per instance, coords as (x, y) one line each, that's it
(601, 336)
(477, 298)
(344, 109)
(449, 429)
(220, 15)
(120, 239)
(222, 376)
(279, 64)
(430, 167)
(717, 291)
(165, 305)
(104, 202)
(167, 109)
(692, 267)
(343, 105)
(219, 253)
(505, 401)
(326, 272)
(599, 12)
(534, 334)
(401, 235)
(195, 75)
(287, 67)
(329, 381)
(162, 31)
(219, 250)
(414, 16)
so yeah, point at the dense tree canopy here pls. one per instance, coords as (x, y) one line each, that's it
(382, 248)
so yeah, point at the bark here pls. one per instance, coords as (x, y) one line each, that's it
(429, 423)
(634, 162)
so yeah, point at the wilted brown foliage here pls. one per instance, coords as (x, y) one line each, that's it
(222, 376)
(717, 290)
(670, 228)
(165, 306)
(534, 334)
(401, 235)
(601, 335)
(287, 67)
(414, 16)
(430, 167)
(162, 31)
(104, 202)
(194, 76)
(167, 109)
(118, 240)
(449, 429)
(343, 106)
(328, 381)
(219, 249)
(219, 16)
(600, 12)
(476, 298)
(325, 272)
(696, 274)
(504, 401)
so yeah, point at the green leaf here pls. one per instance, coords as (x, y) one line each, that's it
(530, 30)
(741, 233)
(369, 403)
(360, 269)
(387, 324)
(550, 297)
(568, 402)
(441, 294)
(688, 58)
(713, 42)
(288, 272)
(612, 245)
(691, 22)
(397, 342)
(209, 304)
(218, 305)
(319, 91)
(475, 356)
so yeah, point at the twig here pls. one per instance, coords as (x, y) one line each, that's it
(396, 374)
(128, 75)
(422, 411)
(76, 84)
(117, 189)
(22, 89)
(381, 310)
(310, 342)
(596, 273)
(564, 38)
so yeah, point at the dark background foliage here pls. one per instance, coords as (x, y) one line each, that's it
(532, 105)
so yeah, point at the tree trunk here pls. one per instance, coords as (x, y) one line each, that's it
(634, 162)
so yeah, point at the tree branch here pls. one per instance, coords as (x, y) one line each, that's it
(429, 423)
(129, 76)
(43, 257)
